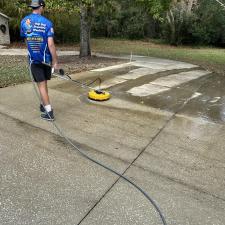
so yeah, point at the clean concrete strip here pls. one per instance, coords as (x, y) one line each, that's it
(170, 65)
(132, 75)
(140, 72)
(165, 83)
(124, 65)
(180, 78)
(152, 65)
(147, 89)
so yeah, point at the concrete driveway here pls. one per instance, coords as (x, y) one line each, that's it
(163, 128)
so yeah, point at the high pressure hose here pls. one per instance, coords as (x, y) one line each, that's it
(93, 160)
(60, 73)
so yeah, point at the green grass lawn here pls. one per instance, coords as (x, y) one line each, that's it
(208, 58)
(13, 70)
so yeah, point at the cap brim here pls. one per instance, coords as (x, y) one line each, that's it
(34, 5)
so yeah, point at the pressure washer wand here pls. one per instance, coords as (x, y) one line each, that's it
(94, 94)
(61, 74)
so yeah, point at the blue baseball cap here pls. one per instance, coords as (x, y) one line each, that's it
(37, 3)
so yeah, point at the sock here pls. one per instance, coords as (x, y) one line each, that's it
(48, 108)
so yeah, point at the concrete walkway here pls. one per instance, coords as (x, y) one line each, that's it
(176, 155)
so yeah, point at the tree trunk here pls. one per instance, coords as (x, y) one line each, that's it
(85, 26)
(171, 22)
(176, 15)
(191, 4)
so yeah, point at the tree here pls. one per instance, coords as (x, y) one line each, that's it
(107, 18)
(208, 27)
(177, 16)
(155, 7)
(86, 8)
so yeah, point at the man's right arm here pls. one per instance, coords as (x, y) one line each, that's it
(52, 50)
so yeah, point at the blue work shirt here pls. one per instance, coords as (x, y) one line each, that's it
(36, 29)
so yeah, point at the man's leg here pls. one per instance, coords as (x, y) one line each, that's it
(41, 76)
(43, 89)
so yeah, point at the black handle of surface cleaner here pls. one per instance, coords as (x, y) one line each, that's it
(58, 71)
(61, 72)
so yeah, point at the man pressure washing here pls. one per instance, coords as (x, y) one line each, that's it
(39, 33)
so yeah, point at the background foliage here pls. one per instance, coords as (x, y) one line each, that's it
(132, 19)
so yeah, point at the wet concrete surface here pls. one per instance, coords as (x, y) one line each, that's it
(211, 104)
(173, 99)
(202, 97)
(171, 144)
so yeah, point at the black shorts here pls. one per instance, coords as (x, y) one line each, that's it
(41, 72)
